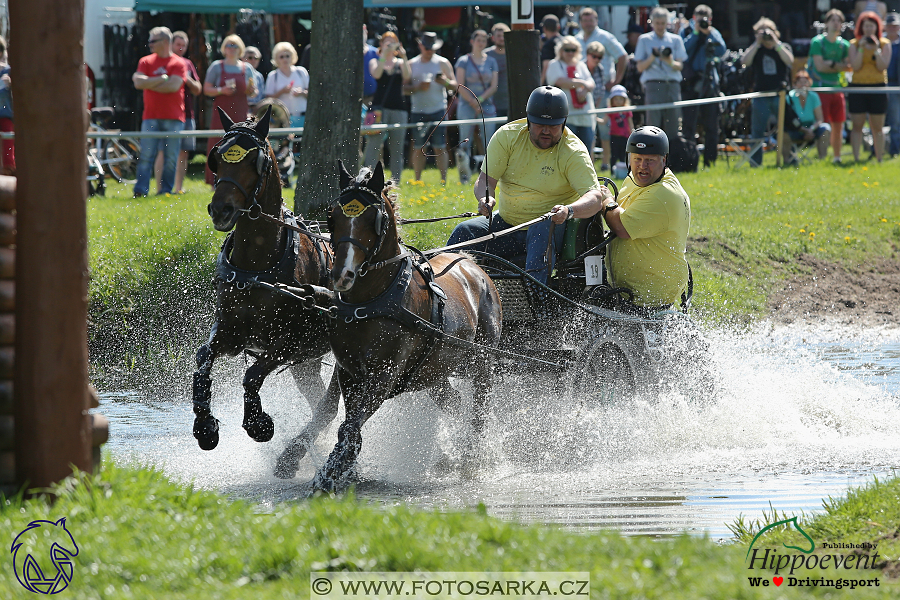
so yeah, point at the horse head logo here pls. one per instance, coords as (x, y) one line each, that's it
(812, 544)
(39, 539)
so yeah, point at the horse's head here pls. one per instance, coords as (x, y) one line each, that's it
(242, 162)
(359, 221)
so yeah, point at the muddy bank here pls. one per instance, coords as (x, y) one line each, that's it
(863, 295)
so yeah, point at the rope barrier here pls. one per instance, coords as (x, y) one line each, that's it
(276, 132)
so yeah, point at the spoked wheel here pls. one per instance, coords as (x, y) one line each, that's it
(605, 376)
(121, 158)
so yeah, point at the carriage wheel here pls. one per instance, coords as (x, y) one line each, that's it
(121, 158)
(605, 376)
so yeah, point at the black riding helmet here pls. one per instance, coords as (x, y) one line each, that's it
(648, 140)
(547, 105)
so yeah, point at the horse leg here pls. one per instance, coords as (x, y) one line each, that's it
(206, 426)
(481, 386)
(323, 414)
(445, 397)
(345, 452)
(258, 424)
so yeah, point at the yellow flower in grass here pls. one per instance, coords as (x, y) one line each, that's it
(710, 185)
(849, 226)
(821, 249)
(865, 184)
(847, 238)
(812, 235)
(850, 171)
(778, 192)
(884, 220)
(874, 183)
(802, 231)
(865, 168)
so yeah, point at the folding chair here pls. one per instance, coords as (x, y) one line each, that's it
(800, 151)
(743, 149)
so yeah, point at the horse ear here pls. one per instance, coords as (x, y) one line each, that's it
(262, 126)
(227, 123)
(376, 181)
(345, 176)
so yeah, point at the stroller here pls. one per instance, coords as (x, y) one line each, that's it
(284, 156)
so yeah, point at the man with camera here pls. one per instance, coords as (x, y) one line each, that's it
(770, 60)
(660, 55)
(703, 44)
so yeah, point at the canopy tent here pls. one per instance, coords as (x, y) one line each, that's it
(296, 6)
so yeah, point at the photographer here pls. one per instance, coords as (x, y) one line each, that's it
(659, 56)
(770, 61)
(703, 44)
(870, 55)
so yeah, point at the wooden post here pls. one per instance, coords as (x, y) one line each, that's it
(780, 133)
(523, 57)
(7, 332)
(52, 427)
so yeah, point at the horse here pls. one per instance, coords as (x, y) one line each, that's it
(402, 326)
(251, 315)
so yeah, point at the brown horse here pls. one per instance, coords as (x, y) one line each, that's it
(250, 317)
(387, 338)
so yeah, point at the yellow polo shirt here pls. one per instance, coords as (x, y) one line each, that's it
(531, 181)
(652, 262)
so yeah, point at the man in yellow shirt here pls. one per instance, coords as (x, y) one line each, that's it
(651, 222)
(536, 166)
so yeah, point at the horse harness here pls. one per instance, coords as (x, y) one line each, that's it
(389, 304)
(284, 270)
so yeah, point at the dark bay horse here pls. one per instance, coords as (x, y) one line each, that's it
(384, 337)
(270, 326)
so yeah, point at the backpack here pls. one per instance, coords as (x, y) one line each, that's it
(683, 155)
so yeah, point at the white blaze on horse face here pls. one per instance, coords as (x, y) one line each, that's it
(347, 269)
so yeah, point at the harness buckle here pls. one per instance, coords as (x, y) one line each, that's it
(254, 214)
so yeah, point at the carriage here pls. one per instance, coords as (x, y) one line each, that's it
(399, 321)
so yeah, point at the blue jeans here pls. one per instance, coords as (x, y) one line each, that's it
(586, 135)
(893, 121)
(465, 112)
(532, 242)
(149, 148)
(763, 108)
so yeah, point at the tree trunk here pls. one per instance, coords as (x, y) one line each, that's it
(335, 101)
(523, 68)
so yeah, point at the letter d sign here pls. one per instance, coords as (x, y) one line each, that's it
(522, 13)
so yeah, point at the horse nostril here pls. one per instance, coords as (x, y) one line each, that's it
(209, 208)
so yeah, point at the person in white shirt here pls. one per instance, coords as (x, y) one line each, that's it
(660, 57)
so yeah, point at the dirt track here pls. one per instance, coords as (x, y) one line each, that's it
(866, 295)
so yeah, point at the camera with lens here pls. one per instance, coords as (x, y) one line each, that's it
(872, 41)
(767, 35)
(664, 52)
(710, 48)
(703, 23)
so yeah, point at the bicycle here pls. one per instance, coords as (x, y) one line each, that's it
(117, 157)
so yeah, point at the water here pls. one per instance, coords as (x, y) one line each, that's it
(803, 414)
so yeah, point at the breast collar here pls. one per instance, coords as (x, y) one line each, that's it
(389, 304)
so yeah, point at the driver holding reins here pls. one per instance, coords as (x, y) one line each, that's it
(651, 223)
(533, 166)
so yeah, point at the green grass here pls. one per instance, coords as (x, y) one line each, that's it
(152, 258)
(142, 536)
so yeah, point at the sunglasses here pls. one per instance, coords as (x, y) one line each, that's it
(595, 56)
(570, 49)
(151, 42)
(231, 45)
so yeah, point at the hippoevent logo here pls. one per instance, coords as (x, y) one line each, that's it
(781, 563)
(44, 542)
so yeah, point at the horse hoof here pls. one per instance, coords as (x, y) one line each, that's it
(260, 428)
(289, 462)
(206, 430)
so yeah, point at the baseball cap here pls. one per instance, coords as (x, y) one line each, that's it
(430, 41)
(618, 90)
(634, 28)
(892, 18)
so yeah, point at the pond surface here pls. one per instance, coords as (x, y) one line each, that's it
(802, 414)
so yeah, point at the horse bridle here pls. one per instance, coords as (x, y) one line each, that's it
(381, 226)
(262, 169)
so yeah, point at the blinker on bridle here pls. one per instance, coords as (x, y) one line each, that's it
(355, 208)
(262, 163)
